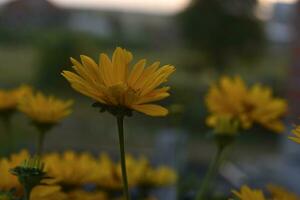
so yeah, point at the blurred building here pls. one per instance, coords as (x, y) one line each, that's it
(133, 26)
(30, 14)
(130, 25)
(278, 28)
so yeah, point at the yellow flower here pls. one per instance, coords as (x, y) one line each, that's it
(82, 195)
(162, 176)
(112, 83)
(48, 193)
(225, 125)
(108, 178)
(136, 169)
(7, 180)
(71, 168)
(232, 98)
(9, 98)
(226, 99)
(44, 110)
(111, 176)
(139, 171)
(279, 193)
(247, 193)
(296, 132)
(267, 110)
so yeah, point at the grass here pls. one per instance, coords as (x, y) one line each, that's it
(17, 65)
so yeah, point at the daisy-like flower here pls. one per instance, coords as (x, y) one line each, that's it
(281, 193)
(162, 176)
(140, 173)
(226, 126)
(9, 98)
(119, 89)
(113, 83)
(266, 109)
(45, 109)
(296, 132)
(247, 193)
(72, 169)
(45, 112)
(111, 174)
(52, 192)
(233, 98)
(225, 99)
(7, 180)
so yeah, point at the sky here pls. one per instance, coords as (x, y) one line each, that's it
(151, 6)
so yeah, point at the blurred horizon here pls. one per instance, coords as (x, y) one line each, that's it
(146, 6)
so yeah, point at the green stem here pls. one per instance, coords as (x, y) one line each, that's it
(40, 144)
(27, 192)
(7, 124)
(211, 173)
(9, 135)
(120, 120)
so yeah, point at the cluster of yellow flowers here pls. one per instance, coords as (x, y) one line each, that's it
(78, 169)
(275, 193)
(74, 170)
(231, 97)
(119, 89)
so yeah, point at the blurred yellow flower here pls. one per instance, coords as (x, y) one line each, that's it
(48, 193)
(225, 125)
(82, 195)
(9, 98)
(247, 193)
(226, 99)
(139, 171)
(111, 82)
(108, 178)
(279, 193)
(71, 168)
(267, 110)
(162, 176)
(7, 180)
(233, 99)
(111, 175)
(136, 169)
(296, 132)
(44, 110)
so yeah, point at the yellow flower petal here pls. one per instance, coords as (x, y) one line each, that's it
(151, 109)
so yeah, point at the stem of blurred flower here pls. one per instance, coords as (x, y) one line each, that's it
(40, 144)
(27, 192)
(120, 121)
(211, 173)
(8, 129)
